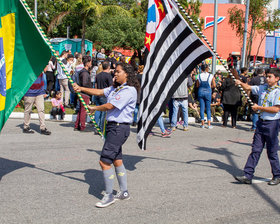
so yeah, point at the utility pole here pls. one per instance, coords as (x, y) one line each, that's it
(215, 36)
(35, 8)
(68, 32)
(243, 57)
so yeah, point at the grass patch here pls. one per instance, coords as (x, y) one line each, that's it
(48, 107)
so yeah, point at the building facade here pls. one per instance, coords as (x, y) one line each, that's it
(227, 41)
(272, 43)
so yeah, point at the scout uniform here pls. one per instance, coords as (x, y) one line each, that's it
(266, 131)
(123, 98)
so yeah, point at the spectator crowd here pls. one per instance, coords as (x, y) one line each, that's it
(206, 97)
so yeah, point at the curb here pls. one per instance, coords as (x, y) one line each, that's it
(72, 118)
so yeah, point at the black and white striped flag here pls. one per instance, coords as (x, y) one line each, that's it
(173, 51)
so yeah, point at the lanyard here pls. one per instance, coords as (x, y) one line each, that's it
(119, 88)
(269, 90)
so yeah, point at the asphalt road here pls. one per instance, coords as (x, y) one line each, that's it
(187, 178)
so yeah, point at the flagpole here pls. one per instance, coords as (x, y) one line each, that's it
(243, 57)
(213, 50)
(214, 59)
(46, 39)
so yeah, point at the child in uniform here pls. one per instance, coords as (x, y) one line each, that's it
(267, 127)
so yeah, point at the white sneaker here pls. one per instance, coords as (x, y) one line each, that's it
(107, 200)
(210, 127)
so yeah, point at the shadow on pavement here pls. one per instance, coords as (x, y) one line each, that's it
(94, 178)
(7, 166)
(233, 169)
(35, 127)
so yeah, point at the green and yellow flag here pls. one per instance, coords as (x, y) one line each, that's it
(23, 55)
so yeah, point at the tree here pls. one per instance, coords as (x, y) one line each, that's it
(260, 20)
(85, 12)
(116, 31)
(192, 7)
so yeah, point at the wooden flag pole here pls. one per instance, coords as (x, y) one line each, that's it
(46, 39)
(212, 48)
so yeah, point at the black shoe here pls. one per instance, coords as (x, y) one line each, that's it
(274, 181)
(134, 124)
(28, 130)
(45, 132)
(243, 179)
(76, 129)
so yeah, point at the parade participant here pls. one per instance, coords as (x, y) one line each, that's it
(121, 101)
(267, 127)
(204, 83)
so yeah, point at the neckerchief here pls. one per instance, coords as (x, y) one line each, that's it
(269, 90)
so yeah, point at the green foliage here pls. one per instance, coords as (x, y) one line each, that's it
(192, 7)
(108, 23)
(115, 31)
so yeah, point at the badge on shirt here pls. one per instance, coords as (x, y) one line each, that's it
(117, 97)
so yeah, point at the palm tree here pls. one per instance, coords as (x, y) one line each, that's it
(86, 9)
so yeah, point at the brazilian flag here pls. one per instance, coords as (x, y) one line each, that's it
(23, 55)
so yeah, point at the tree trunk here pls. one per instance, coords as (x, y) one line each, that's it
(252, 33)
(259, 47)
(83, 35)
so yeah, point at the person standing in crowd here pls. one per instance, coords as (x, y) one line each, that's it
(180, 99)
(103, 80)
(273, 64)
(120, 106)
(257, 80)
(243, 75)
(230, 61)
(112, 60)
(231, 99)
(205, 83)
(50, 75)
(78, 66)
(84, 81)
(57, 106)
(35, 95)
(267, 127)
(63, 80)
(165, 133)
(100, 56)
(139, 78)
(238, 64)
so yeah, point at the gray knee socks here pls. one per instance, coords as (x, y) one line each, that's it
(122, 178)
(109, 180)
